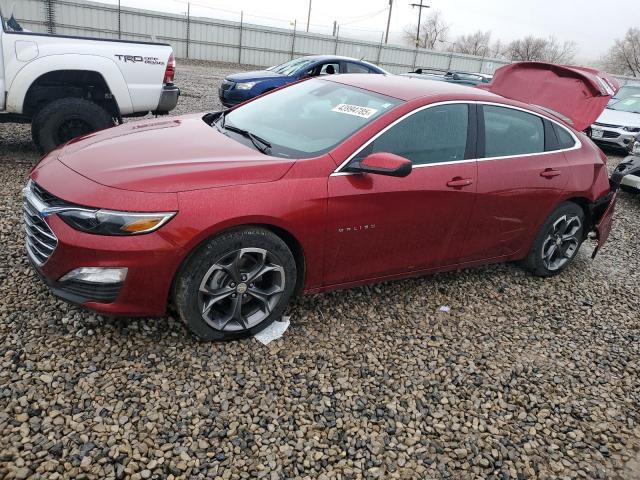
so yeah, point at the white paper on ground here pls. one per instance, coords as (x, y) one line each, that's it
(273, 331)
(445, 308)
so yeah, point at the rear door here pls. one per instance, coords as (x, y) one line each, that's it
(379, 225)
(522, 172)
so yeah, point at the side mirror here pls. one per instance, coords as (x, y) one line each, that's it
(382, 163)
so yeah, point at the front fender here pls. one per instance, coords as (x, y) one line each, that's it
(35, 69)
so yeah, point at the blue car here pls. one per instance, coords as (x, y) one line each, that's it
(239, 87)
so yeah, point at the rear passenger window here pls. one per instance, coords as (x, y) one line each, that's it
(433, 135)
(511, 132)
(355, 68)
(564, 137)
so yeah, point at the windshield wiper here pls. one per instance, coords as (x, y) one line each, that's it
(260, 143)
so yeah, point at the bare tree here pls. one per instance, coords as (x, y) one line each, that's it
(474, 44)
(556, 52)
(537, 49)
(526, 49)
(624, 57)
(433, 31)
(498, 50)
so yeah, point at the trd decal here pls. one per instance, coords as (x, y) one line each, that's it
(357, 228)
(139, 59)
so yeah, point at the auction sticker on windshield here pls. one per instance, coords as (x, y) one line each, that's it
(362, 112)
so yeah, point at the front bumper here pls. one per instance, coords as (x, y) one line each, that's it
(612, 135)
(151, 261)
(79, 292)
(168, 98)
(230, 97)
(55, 249)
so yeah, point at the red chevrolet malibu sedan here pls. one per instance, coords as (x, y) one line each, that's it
(325, 184)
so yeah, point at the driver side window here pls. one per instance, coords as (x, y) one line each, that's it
(330, 68)
(433, 135)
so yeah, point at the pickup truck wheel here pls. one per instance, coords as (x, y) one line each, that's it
(557, 242)
(67, 118)
(235, 284)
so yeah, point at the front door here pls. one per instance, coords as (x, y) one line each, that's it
(380, 225)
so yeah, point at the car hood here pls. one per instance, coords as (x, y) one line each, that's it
(616, 117)
(169, 155)
(256, 76)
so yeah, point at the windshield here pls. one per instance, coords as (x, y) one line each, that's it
(631, 104)
(289, 68)
(309, 118)
(627, 91)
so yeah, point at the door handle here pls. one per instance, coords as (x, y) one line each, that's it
(550, 173)
(459, 182)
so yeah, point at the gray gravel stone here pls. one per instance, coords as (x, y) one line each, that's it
(523, 378)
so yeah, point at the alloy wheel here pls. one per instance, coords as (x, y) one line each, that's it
(241, 289)
(562, 242)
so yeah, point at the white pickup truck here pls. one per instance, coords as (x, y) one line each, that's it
(69, 86)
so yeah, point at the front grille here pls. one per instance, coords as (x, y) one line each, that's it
(45, 197)
(607, 125)
(226, 85)
(609, 134)
(41, 241)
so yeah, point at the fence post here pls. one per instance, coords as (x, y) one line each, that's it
(481, 64)
(49, 15)
(119, 21)
(415, 59)
(380, 47)
(450, 61)
(335, 51)
(293, 40)
(188, 26)
(240, 42)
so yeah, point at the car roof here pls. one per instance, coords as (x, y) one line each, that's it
(332, 57)
(411, 88)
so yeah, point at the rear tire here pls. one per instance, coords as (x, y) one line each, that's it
(235, 284)
(61, 120)
(557, 242)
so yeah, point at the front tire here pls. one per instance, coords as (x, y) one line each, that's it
(235, 284)
(64, 119)
(557, 242)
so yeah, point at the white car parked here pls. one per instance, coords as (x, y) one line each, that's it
(70, 86)
(619, 124)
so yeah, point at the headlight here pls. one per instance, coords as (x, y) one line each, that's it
(631, 129)
(245, 85)
(108, 222)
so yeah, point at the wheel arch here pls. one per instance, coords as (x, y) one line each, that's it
(58, 84)
(585, 204)
(35, 70)
(284, 234)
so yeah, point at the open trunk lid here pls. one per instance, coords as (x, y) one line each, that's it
(577, 95)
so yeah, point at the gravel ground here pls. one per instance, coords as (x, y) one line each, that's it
(523, 378)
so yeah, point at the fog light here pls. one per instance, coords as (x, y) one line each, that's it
(96, 275)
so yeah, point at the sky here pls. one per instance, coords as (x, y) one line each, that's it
(592, 24)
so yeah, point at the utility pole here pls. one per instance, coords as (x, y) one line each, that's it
(386, 36)
(420, 7)
(309, 16)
